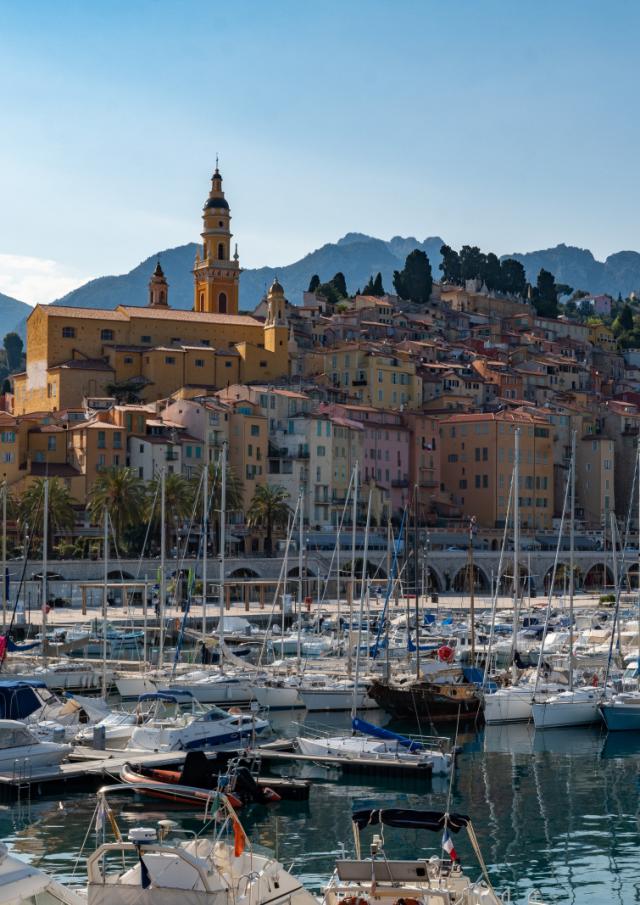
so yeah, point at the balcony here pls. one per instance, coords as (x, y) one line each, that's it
(171, 456)
(359, 383)
(400, 482)
(281, 452)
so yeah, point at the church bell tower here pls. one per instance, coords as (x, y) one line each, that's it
(216, 273)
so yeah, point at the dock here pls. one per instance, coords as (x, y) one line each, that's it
(282, 751)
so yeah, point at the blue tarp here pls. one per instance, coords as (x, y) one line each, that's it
(379, 732)
(18, 699)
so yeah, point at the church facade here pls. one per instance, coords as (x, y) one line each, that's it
(150, 352)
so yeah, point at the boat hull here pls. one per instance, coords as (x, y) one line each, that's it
(554, 714)
(335, 699)
(429, 701)
(620, 718)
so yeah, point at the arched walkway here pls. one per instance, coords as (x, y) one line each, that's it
(505, 582)
(598, 578)
(562, 578)
(480, 580)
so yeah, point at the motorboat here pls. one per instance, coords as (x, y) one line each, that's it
(622, 712)
(368, 741)
(157, 865)
(578, 707)
(47, 715)
(435, 880)
(21, 750)
(24, 884)
(215, 687)
(170, 728)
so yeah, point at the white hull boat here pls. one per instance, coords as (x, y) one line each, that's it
(278, 695)
(513, 704)
(337, 697)
(569, 708)
(21, 751)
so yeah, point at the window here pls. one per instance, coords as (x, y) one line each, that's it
(478, 481)
(102, 461)
(263, 364)
(255, 430)
(51, 444)
(220, 251)
(106, 335)
(128, 360)
(102, 439)
(68, 332)
(8, 457)
(145, 340)
(227, 364)
(321, 451)
(117, 440)
(141, 450)
(116, 460)
(8, 436)
(189, 452)
(169, 360)
(199, 362)
(222, 303)
(198, 452)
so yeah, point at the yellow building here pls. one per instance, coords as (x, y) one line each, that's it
(477, 458)
(151, 352)
(382, 378)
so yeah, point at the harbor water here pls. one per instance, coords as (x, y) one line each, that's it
(557, 810)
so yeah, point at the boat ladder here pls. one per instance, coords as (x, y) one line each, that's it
(21, 781)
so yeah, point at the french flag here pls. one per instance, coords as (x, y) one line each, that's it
(447, 845)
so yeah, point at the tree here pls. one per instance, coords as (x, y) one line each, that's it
(328, 291)
(6, 386)
(314, 282)
(378, 288)
(414, 281)
(13, 346)
(513, 277)
(624, 321)
(492, 272)
(268, 510)
(340, 285)
(472, 263)
(450, 265)
(545, 297)
(61, 516)
(123, 494)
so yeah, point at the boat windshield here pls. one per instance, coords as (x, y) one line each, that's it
(15, 737)
(215, 713)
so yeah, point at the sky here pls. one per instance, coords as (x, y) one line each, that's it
(509, 125)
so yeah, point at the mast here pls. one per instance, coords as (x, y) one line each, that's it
(300, 568)
(572, 527)
(516, 542)
(415, 577)
(45, 544)
(105, 601)
(354, 521)
(638, 669)
(223, 515)
(364, 589)
(163, 569)
(205, 531)
(4, 553)
(472, 592)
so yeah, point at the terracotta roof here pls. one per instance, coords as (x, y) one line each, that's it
(53, 470)
(175, 314)
(496, 416)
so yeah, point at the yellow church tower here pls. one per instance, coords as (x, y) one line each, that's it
(216, 273)
(276, 327)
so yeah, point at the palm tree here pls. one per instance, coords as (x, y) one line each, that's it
(234, 494)
(122, 493)
(178, 495)
(268, 510)
(61, 512)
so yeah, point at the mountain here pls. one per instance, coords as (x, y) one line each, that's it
(12, 315)
(619, 273)
(356, 255)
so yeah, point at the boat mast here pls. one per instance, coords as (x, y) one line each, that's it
(415, 577)
(45, 544)
(205, 532)
(223, 515)
(472, 591)
(163, 579)
(516, 543)
(364, 585)
(105, 600)
(4, 553)
(354, 520)
(300, 568)
(572, 540)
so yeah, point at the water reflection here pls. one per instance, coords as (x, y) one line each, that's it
(558, 810)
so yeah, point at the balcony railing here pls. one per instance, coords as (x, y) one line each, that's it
(400, 482)
(171, 456)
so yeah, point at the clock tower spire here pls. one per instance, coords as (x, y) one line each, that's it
(216, 273)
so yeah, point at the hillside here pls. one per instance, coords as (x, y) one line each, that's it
(358, 256)
(12, 315)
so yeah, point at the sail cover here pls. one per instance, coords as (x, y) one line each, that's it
(378, 732)
(409, 820)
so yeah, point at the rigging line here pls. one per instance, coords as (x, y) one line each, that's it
(333, 553)
(494, 602)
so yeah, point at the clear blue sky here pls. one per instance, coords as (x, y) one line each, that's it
(511, 124)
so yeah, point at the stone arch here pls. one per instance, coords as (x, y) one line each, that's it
(480, 580)
(505, 581)
(116, 574)
(238, 592)
(632, 576)
(433, 581)
(598, 577)
(562, 578)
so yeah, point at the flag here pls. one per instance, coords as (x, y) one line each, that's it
(447, 845)
(100, 815)
(238, 838)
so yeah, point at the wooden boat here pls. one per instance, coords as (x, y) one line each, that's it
(427, 700)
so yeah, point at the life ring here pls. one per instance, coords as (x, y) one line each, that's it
(446, 653)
